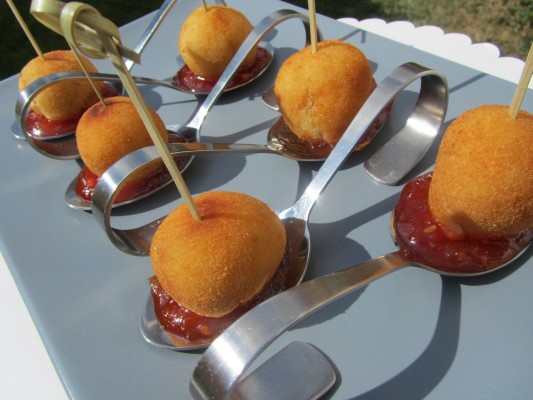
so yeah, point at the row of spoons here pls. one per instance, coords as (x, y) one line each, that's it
(388, 165)
(428, 113)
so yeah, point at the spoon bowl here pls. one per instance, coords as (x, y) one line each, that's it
(242, 79)
(157, 181)
(152, 27)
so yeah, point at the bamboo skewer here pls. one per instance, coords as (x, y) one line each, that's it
(144, 113)
(106, 35)
(25, 28)
(523, 83)
(88, 75)
(313, 25)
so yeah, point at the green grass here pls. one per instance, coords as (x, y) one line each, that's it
(506, 23)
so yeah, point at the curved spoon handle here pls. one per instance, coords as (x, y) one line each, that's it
(429, 111)
(245, 340)
(256, 35)
(63, 149)
(137, 240)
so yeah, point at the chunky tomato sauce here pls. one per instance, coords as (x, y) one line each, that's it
(187, 80)
(422, 239)
(40, 126)
(197, 329)
(86, 180)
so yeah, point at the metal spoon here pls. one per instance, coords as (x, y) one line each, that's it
(152, 27)
(191, 129)
(296, 217)
(22, 106)
(189, 150)
(214, 377)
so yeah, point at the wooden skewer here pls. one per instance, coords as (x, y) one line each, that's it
(146, 117)
(313, 25)
(88, 75)
(204, 4)
(523, 83)
(110, 43)
(25, 28)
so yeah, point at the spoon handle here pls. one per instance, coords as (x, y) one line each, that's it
(192, 149)
(214, 377)
(66, 148)
(150, 30)
(385, 92)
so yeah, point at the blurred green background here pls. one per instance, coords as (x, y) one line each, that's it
(506, 23)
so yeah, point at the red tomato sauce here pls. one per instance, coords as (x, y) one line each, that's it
(422, 239)
(197, 329)
(87, 180)
(40, 126)
(187, 80)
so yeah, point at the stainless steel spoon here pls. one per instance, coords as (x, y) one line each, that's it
(189, 150)
(214, 377)
(22, 105)
(296, 217)
(191, 129)
(152, 27)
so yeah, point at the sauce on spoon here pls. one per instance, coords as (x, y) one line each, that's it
(188, 81)
(86, 180)
(40, 126)
(281, 133)
(187, 327)
(421, 239)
